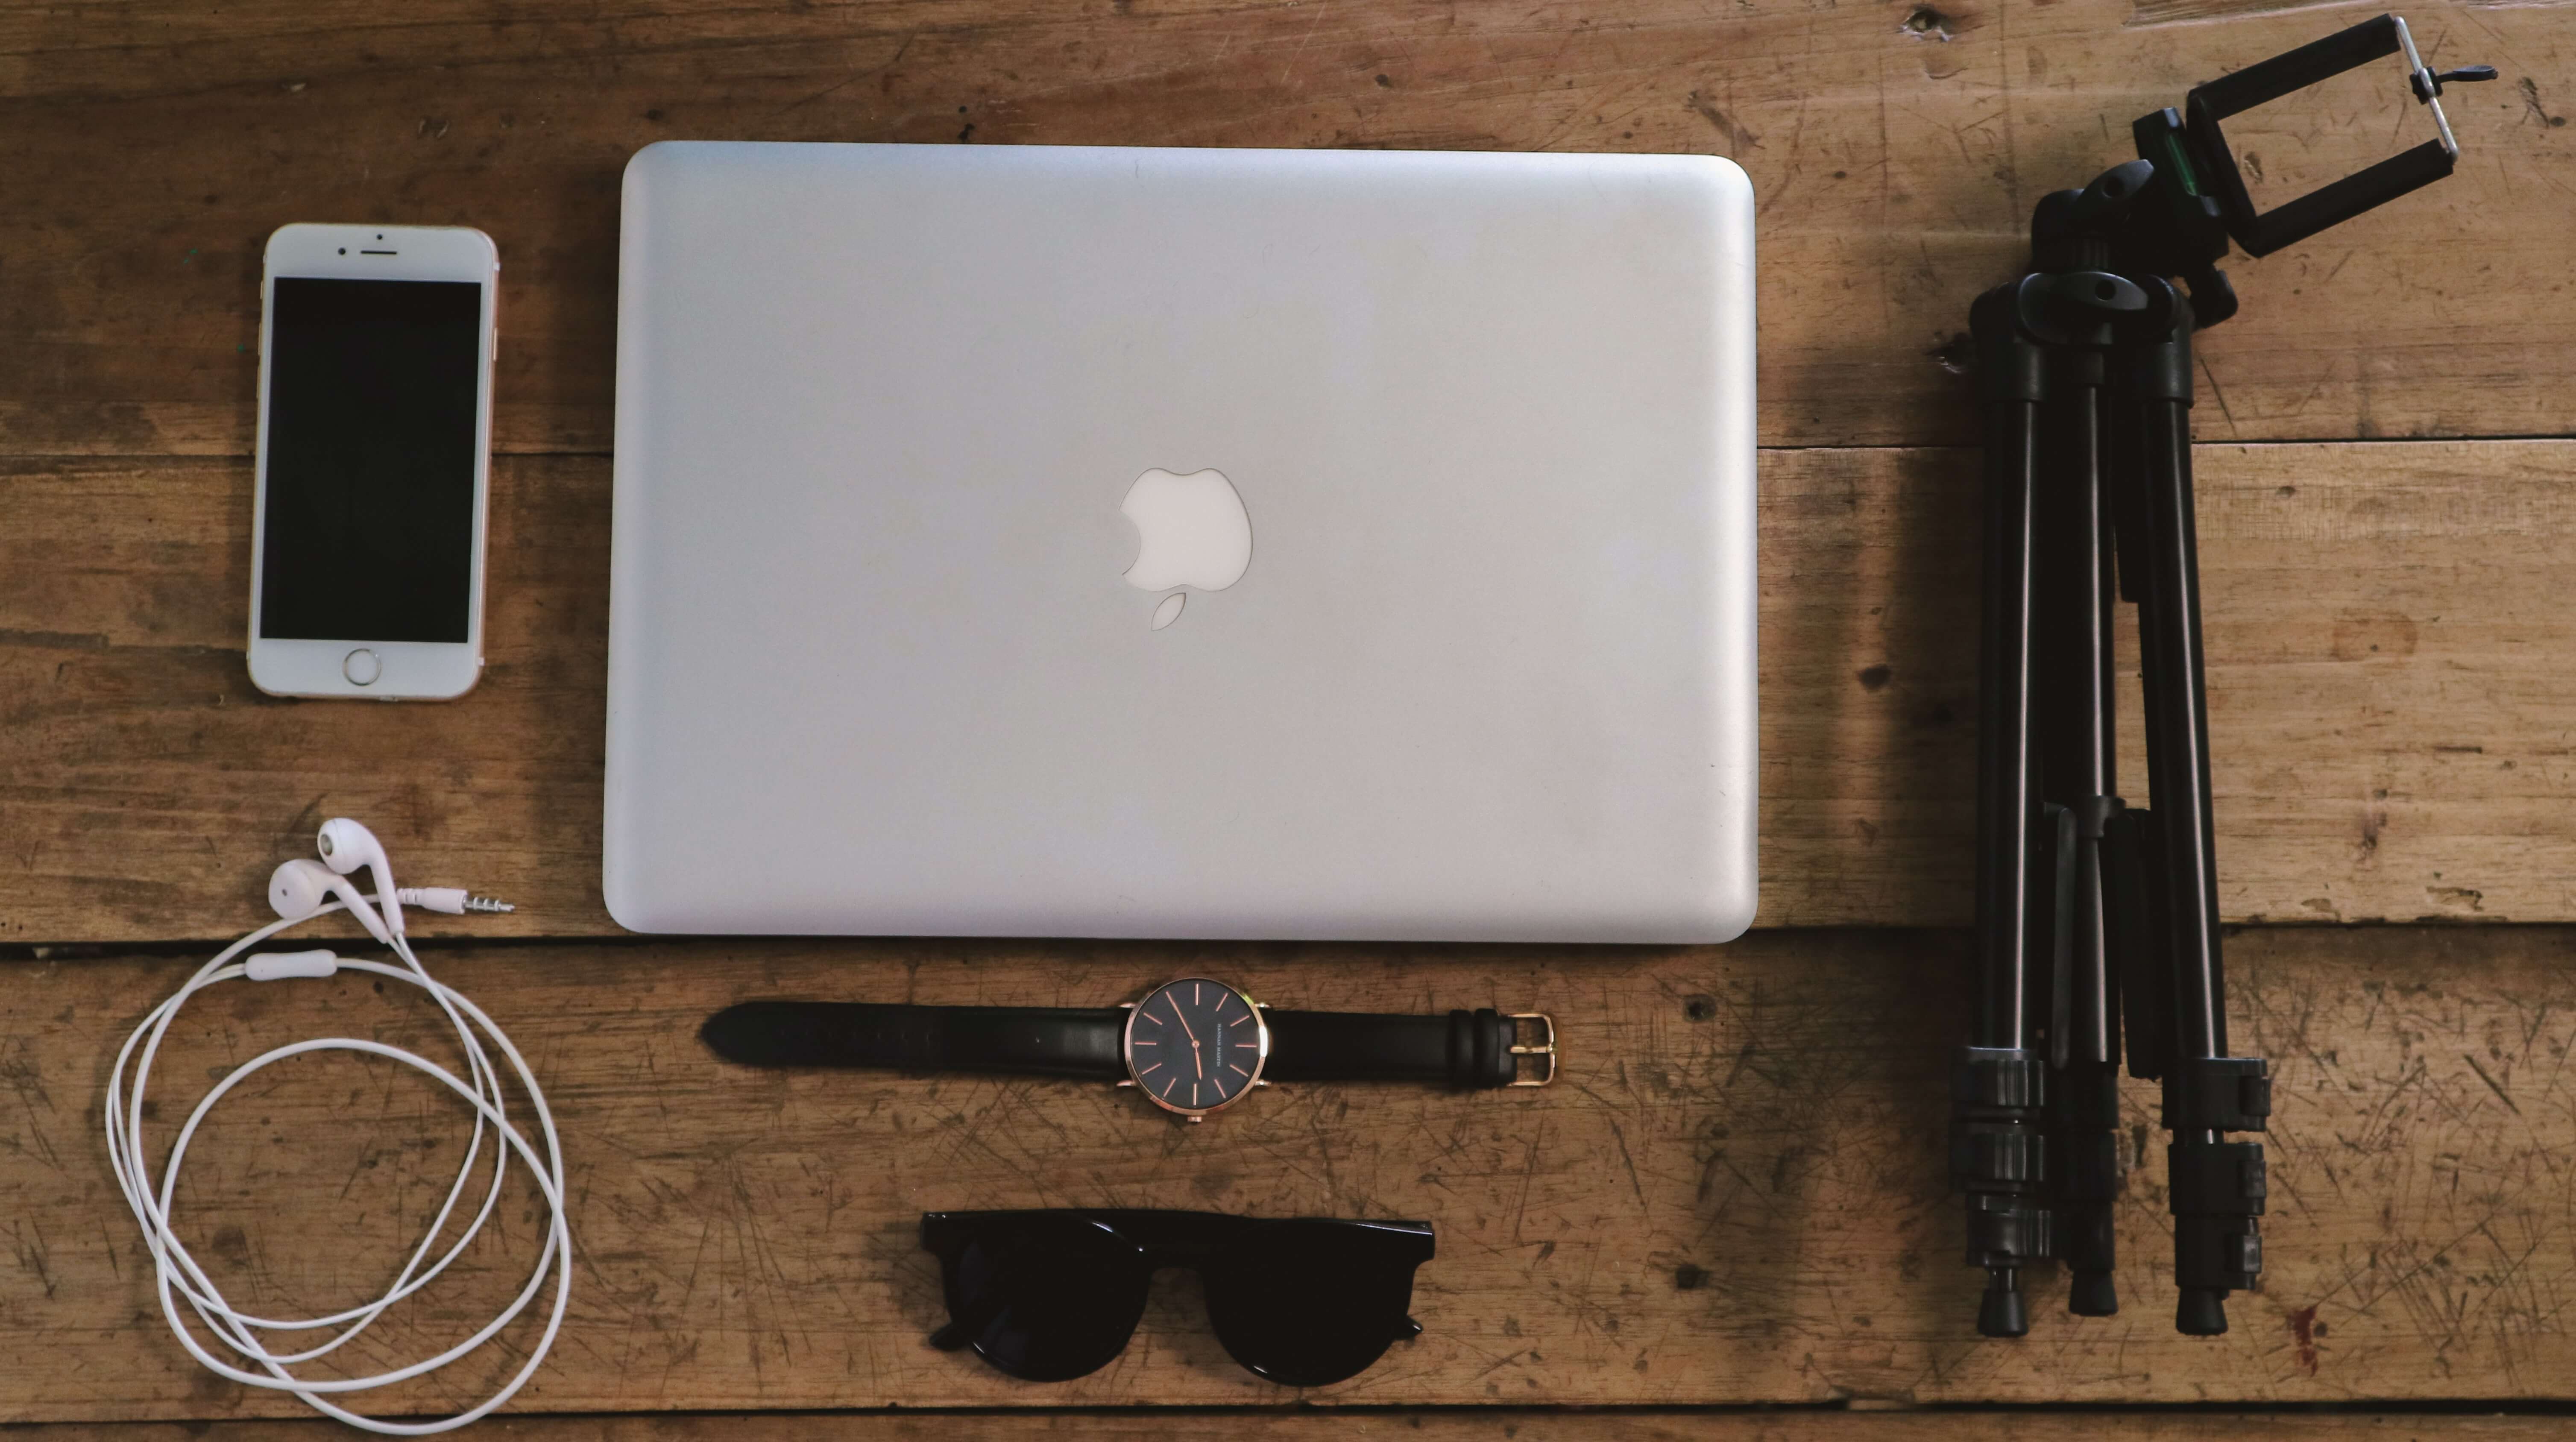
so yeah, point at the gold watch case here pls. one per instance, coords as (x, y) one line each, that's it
(1136, 1077)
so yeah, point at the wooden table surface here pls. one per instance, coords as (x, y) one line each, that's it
(1730, 1219)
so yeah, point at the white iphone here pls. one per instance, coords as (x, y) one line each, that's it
(375, 439)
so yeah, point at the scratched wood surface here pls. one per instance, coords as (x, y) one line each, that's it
(1735, 1194)
(1895, 146)
(1496, 1424)
(2390, 700)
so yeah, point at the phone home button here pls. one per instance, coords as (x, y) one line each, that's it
(362, 667)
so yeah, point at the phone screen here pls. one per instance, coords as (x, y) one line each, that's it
(371, 459)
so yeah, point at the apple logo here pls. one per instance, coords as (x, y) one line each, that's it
(1193, 532)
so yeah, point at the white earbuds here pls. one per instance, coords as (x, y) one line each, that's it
(302, 887)
(504, 1131)
(346, 846)
(298, 888)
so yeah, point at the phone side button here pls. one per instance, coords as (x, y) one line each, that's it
(362, 667)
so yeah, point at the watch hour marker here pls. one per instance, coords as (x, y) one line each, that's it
(1194, 993)
(1238, 1071)
(1194, 1094)
(1150, 1068)
(1147, 1041)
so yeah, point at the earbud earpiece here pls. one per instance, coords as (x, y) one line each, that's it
(346, 845)
(299, 888)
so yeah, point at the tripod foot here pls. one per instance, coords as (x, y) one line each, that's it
(2093, 1295)
(2002, 1313)
(2201, 1312)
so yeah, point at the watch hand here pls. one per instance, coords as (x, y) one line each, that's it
(1185, 1026)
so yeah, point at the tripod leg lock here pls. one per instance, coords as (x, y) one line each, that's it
(1996, 1145)
(1985, 1155)
(2008, 1232)
(1999, 1157)
(2216, 1179)
(2217, 1187)
(2219, 1094)
(2217, 1254)
(1998, 1078)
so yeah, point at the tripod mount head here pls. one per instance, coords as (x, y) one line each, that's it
(2172, 211)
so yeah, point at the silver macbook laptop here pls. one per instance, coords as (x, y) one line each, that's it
(1183, 543)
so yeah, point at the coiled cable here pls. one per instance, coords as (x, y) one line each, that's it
(177, 1272)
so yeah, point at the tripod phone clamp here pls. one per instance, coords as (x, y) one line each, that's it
(2098, 921)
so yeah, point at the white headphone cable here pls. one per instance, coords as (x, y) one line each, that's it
(179, 1271)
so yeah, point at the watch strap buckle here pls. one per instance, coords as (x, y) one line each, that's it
(1540, 1055)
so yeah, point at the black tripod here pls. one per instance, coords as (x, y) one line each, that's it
(2097, 919)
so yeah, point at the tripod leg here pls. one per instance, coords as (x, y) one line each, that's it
(2079, 746)
(1996, 1146)
(2216, 1186)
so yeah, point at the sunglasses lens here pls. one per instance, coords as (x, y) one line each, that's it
(1049, 1301)
(1307, 1304)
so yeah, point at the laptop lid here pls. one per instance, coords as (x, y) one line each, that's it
(1183, 543)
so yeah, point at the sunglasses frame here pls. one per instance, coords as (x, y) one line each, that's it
(1166, 1238)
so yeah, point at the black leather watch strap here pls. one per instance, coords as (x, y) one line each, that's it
(1047, 1041)
(1462, 1049)
(1468, 1049)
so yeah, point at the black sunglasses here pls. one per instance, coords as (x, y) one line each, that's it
(1052, 1295)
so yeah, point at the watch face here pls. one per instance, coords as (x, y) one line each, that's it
(1195, 1044)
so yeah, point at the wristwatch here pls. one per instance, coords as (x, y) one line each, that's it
(1192, 1046)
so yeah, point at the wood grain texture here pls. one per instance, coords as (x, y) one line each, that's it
(1735, 1195)
(1895, 147)
(1488, 1424)
(2389, 699)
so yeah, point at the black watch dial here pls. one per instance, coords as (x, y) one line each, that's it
(1195, 1045)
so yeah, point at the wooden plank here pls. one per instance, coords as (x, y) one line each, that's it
(1896, 151)
(2388, 690)
(1735, 1195)
(1489, 1424)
